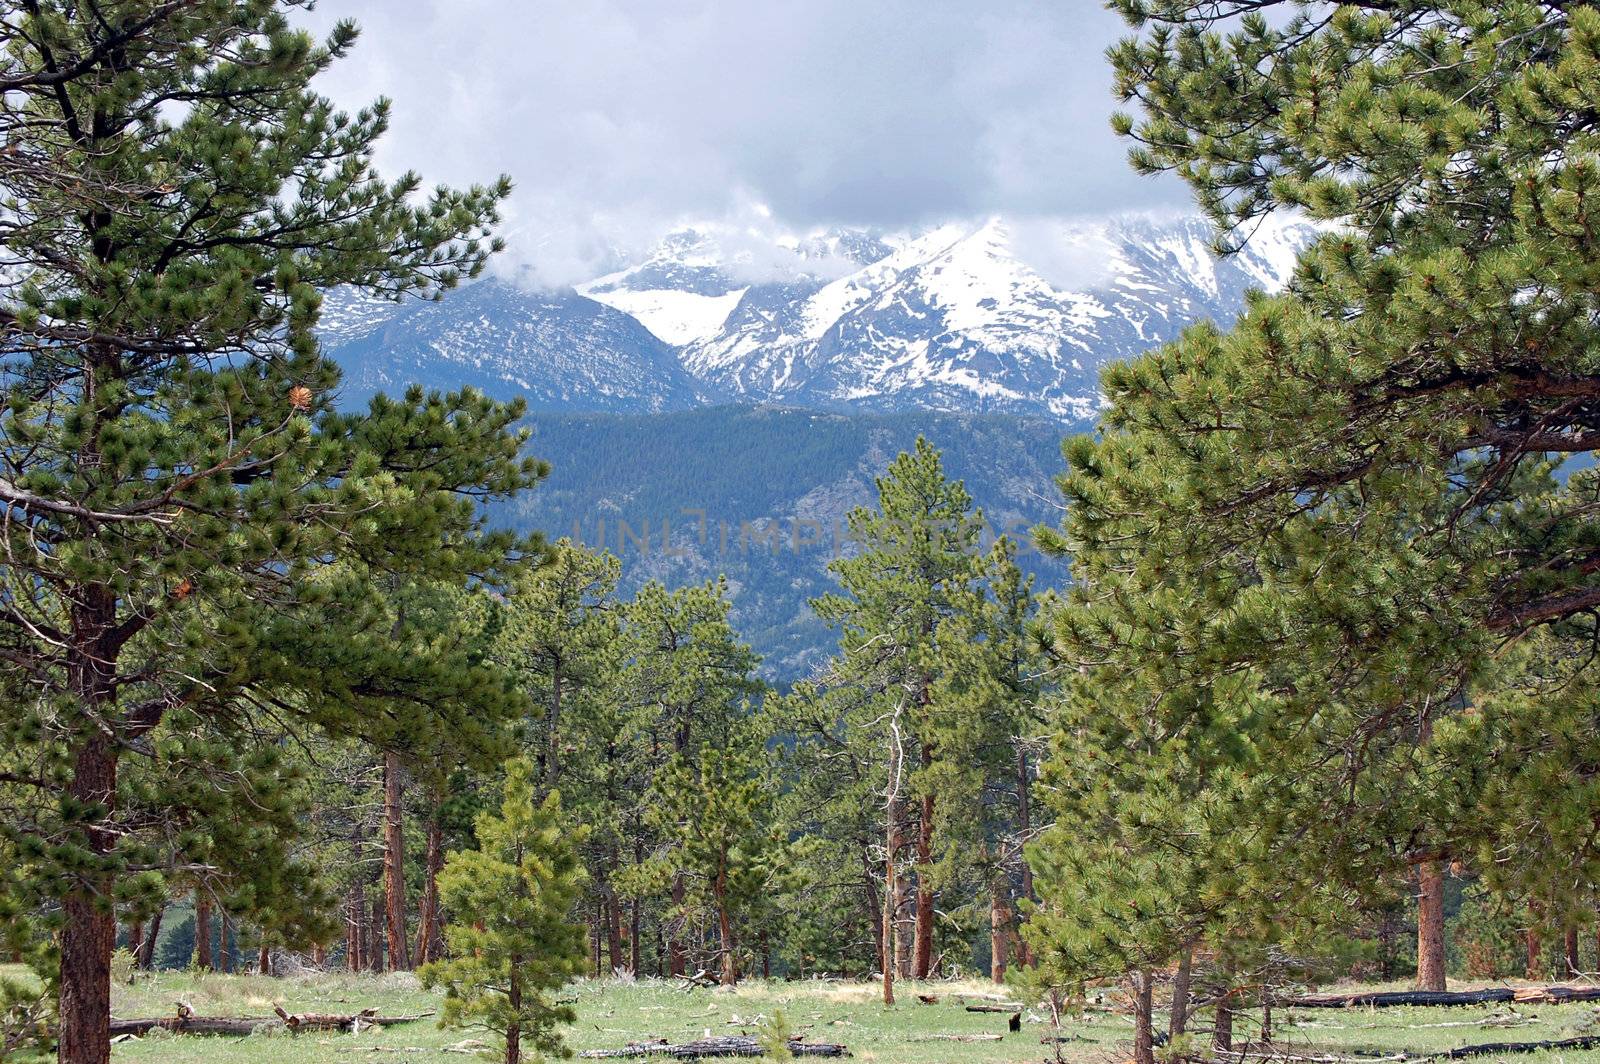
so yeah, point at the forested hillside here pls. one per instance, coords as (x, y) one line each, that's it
(761, 494)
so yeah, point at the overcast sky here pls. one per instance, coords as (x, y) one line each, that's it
(620, 119)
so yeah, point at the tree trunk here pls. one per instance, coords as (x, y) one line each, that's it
(1574, 962)
(89, 927)
(1222, 1033)
(146, 959)
(514, 999)
(730, 962)
(394, 864)
(1534, 967)
(135, 941)
(613, 914)
(1178, 1022)
(202, 932)
(1144, 1045)
(923, 956)
(999, 928)
(430, 932)
(677, 956)
(225, 942)
(874, 907)
(1024, 830)
(352, 928)
(375, 954)
(892, 888)
(264, 959)
(1430, 926)
(633, 936)
(1386, 946)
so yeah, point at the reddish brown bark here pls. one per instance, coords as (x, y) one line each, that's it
(264, 959)
(514, 999)
(394, 864)
(353, 956)
(1430, 926)
(1222, 1031)
(1574, 962)
(146, 957)
(375, 957)
(89, 927)
(202, 932)
(613, 914)
(999, 928)
(1144, 1044)
(430, 930)
(1535, 967)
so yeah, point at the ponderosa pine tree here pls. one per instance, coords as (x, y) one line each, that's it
(986, 717)
(457, 627)
(511, 934)
(1307, 537)
(171, 467)
(688, 680)
(831, 803)
(914, 561)
(562, 640)
(714, 810)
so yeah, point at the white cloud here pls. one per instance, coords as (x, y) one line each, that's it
(621, 119)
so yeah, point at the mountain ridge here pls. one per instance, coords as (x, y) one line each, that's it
(959, 317)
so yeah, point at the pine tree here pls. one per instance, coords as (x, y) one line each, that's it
(715, 811)
(562, 639)
(915, 560)
(688, 680)
(174, 473)
(511, 934)
(1301, 545)
(986, 716)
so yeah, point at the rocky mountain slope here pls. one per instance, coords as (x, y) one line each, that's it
(976, 317)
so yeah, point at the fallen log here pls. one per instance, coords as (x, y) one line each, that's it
(1499, 995)
(1292, 1057)
(1352, 1055)
(733, 1046)
(1492, 1048)
(1004, 1006)
(186, 1022)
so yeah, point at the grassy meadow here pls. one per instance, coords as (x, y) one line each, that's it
(612, 1013)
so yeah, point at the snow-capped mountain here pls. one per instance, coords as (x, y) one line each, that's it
(981, 316)
(557, 350)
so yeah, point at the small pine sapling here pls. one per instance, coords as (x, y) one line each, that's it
(511, 937)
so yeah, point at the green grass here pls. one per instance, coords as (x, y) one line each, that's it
(612, 1013)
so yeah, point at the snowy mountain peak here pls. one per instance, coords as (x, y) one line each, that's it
(995, 314)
